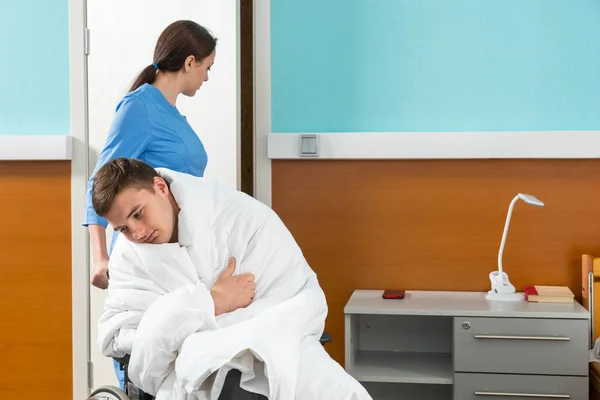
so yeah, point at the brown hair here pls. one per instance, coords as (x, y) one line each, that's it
(177, 42)
(117, 175)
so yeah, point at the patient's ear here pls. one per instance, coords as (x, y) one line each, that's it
(160, 186)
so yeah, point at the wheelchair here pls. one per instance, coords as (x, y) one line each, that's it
(231, 389)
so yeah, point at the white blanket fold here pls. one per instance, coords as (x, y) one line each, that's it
(159, 308)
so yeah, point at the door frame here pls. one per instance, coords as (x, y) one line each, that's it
(80, 169)
(80, 265)
(262, 99)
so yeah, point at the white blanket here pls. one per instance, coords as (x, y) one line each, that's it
(159, 308)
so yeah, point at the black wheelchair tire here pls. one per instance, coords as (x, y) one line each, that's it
(112, 390)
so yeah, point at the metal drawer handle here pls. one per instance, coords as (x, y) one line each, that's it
(536, 395)
(505, 337)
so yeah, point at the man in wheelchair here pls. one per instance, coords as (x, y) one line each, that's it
(208, 285)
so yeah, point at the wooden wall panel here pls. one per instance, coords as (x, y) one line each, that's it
(436, 224)
(35, 280)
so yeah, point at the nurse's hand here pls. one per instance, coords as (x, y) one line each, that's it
(100, 275)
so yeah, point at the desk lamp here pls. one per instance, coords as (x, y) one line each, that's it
(502, 289)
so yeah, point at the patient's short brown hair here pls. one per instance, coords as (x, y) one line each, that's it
(117, 175)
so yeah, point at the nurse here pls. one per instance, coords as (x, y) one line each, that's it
(148, 126)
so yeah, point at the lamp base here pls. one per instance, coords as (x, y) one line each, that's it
(502, 289)
(492, 295)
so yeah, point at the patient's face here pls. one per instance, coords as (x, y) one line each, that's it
(143, 216)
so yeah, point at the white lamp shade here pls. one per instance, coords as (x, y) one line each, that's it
(527, 198)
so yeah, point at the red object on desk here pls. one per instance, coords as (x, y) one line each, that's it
(393, 294)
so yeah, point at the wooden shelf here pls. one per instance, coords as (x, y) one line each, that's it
(408, 391)
(403, 367)
(452, 304)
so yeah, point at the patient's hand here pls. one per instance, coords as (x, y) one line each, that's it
(232, 292)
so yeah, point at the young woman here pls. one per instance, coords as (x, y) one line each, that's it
(148, 126)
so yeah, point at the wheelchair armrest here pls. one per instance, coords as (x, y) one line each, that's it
(325, 338)
(123, 360)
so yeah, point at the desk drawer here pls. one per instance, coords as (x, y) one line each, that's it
(521, 346)
(504, 387)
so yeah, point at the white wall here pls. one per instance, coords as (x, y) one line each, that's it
(122, 39)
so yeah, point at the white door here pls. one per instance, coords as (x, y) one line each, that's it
(122, 39)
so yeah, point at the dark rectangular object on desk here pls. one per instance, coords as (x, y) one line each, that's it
(393, 294)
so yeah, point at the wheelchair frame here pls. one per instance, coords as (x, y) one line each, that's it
(132, 392)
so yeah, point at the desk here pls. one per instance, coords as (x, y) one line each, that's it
(458, 345)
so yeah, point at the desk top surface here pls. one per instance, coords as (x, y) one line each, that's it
(472, 304)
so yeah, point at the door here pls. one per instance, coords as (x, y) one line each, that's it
(122, 39)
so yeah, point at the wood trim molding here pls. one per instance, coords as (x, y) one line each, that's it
(36, 147)
(441, 145)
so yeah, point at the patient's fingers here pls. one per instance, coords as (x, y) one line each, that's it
(247, 277)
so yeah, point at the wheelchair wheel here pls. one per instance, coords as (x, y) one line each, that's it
(108, 393)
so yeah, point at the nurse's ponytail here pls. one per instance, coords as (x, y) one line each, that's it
(148, 75)
(178, 41)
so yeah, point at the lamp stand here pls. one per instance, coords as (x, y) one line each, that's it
(502, 289)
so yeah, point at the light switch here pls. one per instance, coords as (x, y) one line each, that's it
(308, 145)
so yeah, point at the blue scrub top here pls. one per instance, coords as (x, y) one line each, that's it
(147, 127)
